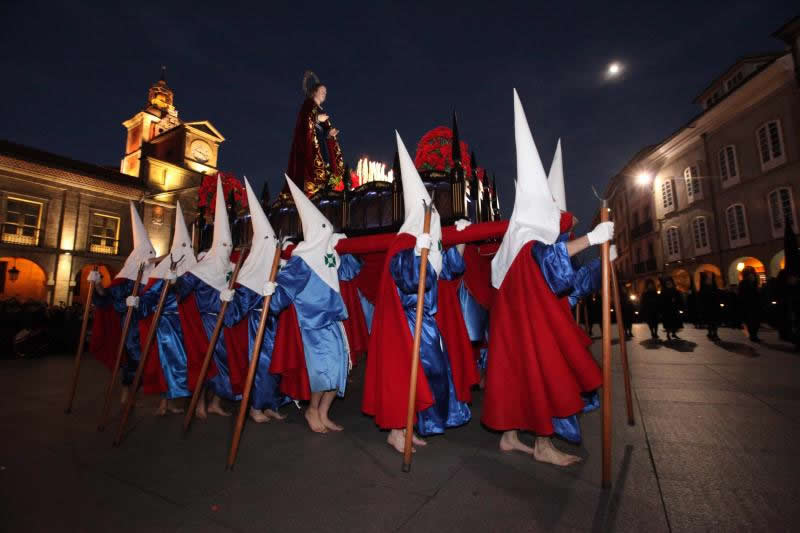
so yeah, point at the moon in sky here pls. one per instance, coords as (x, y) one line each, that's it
(614, 70)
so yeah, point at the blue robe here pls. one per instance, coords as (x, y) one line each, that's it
(320, 311)
(563, 279)
(208, 304)
(115, 296)
(247, 305)
(447, 411)
(169, 337)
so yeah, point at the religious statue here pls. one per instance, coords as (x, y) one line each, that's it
(315, 160)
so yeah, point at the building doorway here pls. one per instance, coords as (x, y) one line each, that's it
(30, 283)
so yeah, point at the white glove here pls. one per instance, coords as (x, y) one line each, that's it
(132, 301)
(269, 288)
(94, 276)
(423, 243)
(226, 295)
(462, 223)
(612, 252)
(171, 276)
(603, 232)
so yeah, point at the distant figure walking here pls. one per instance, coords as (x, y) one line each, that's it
(709, 304)
(750, 302)
(650, 307)
(671, 305)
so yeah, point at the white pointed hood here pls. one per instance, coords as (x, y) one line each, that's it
(181, 248)
(215, 267)
(555, 179)
(414, 193)
(536, 215)
(142, 252)
(255, 269)
(318, 247)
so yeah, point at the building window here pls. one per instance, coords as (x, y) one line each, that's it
(667, 196)
(737, 225)
(673, 244)
(770, 145)
(693, 189)
(104, 234)
(23, 221)
(728, 169)
(734, 81)
(700, 233)
(781, 207)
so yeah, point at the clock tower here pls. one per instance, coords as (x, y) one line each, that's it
(164, 151)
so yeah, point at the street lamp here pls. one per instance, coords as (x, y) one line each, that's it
(644, 178)
(13, 273)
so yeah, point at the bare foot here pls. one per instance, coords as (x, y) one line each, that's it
(274, 414)
(314, 422)
(257, 416)
(418, 441)
(161, 410)
(397, 440)
(126, 390)
(172, 408)
(216, 407)
(330, 424)
(545, 452)
(200, 411)
(510, 442)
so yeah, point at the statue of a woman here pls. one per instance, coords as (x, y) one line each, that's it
(315, 160)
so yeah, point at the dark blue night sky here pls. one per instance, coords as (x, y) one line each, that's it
(72, 72)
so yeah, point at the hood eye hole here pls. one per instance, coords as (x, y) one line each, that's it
(323, 225)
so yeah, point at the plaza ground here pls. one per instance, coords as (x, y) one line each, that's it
(714, 447)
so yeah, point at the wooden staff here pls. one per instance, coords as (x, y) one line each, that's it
(198, 389)
(606, 288)
(79, 350)
(151, 335)
(412, 387)
(623, 345)
(126, 325)
(254, 356)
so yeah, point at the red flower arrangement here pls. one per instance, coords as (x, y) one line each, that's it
(354, 182)
(207, 194)
(435, 151)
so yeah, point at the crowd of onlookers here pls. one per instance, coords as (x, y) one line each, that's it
(747, 305)
(33, 328)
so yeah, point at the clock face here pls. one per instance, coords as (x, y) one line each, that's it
(200, 151)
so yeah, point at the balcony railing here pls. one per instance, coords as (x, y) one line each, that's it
(103, 246)
(642, 229)
(23, 235)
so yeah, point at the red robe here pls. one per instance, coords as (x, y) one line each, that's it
(355, 326)
(538, 363)
(195, 340)
(153, 380)
(288, 357)
(306, 166)
(388, 370)
(106, 332)
(455, 336)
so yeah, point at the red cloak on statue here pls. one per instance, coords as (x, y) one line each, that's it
(539, 363)
(388, 372)
(307, 167)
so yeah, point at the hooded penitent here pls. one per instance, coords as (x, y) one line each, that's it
(555, 179)
(415, 196)
(215, 267)
(142, 252)
(536, 215)
(318, 247)
(254, 272)
(180, 251)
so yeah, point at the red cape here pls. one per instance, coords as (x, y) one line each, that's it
(288, 357)
(195, 340)
(454, 332)
(106, 331)
(388, 370)
(478, 275)
(237, 346)
(538, 358)
(153, 380)
(355, 326)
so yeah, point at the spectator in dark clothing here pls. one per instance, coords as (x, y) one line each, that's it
(670, 304)
(650, 307)
(750, 302)
(627, 313)
(709, 304)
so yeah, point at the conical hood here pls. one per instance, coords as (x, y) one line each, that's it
(414, 193)
(536, 215)
(215, 267)
(317, 248)
(255, 269)
(142, 252)
(181, 249)
(555, 179)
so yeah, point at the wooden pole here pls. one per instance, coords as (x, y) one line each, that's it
(606, 292)
(126, 325)
(623, 344)
(79, 350)
(212, 342)
(412, 387)
(254, 356)
(151, 335)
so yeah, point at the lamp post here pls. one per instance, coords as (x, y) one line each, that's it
(13, 273)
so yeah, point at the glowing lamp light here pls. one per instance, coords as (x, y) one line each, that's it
(636, 312)
(740, 267)
(644, 178)
(681, 312)
(774, 302)
(658, 292)
(368, 171)
(633, 297)
(722, 305)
